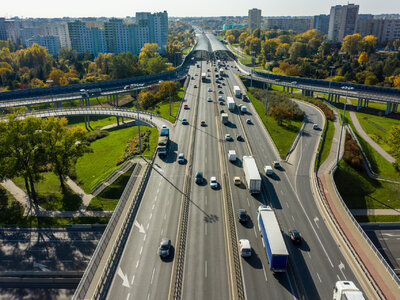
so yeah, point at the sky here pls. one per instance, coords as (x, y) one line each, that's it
(184, 8)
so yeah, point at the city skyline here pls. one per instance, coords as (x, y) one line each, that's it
(178, 8)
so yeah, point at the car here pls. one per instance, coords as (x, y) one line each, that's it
(185, 106)
(213, 182)
(164, 126)
(221, 111)
(294, 82)
(208, 75)
(315, 126)
(209, 89)
(203, 123)
(236, 180)
(239, 137)
(242, 215)
(261, 207)
(165, 247)
(223, 83)
(268, 170)
(277, 165)
(277, 80)
(127, 87)
(248, 121)
(228, 137)
(199, 177)
(219, 85)
(220, 98)
(295, 236)
(195, 86)
(220, 92)
(244, 248)
(181, 158)
(196, 74)
(221, 103)
(192, 78)
(185, 121)
(209, 99)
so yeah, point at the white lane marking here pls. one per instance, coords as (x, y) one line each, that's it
(140, 226)
(144, 238)
(165, 216)
(148, 296)
(309, 255)
(158, 191)
(248, 202)
(205, 228)
(124, 278)
(133, 279)
(151, 214)
(162, 231)
(316, 220)
(147, 227)
(255, 231)
(127, 296)
(290, 284)
(141, 249)
(152, 276)
(319, 278)
(137, 264)
(205, 269)
(152, 208)
(287, 205)
(338, 277)
(341, 267)
(265, 274)
(293, 219)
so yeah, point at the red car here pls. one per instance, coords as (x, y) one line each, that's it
(203, 123)
(185, 106)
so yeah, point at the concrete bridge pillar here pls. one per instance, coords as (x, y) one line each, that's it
(116, 96)
(312, 93)
(29, 108)
(366, 101)
(359, 103)
(118, 121)
(302, 92)
(388, 108)
(291, 90)
(395, 107)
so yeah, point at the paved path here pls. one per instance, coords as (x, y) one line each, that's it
(376, 212)
(366, 137)
(331, 159)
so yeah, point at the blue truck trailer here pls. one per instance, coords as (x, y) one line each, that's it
(274, 244)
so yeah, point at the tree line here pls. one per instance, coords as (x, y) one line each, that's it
(33, 67)
(31, 146)
(357, 59)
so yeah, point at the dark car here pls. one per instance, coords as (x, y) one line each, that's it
(239, 137)
(295, 236)
(242, 215)
(199, 177)
(165, 247)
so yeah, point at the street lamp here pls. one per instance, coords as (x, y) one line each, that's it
(50, 82)
(266, 96)
(329, 88)
(138, 116)
(169, 85)
(347, 89)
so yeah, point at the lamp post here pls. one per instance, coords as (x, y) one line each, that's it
(347, 89)
(50, 82)
(169, 85)
(329, 88)
(266, 95)
(140, 138)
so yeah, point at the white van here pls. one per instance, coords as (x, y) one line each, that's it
(243, 109)
(244, 248)
(268, 170)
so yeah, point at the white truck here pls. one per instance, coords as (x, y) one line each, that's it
(346, 290)
(231, 103)
(253, 178)
(224, 118)
(232, 155)
(237, 92)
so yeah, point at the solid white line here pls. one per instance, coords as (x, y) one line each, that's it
(133, 278)
(151, 214)
(152, 208)
(319, 278)
(338, 277)
(205, 228)
(162, 231)
(152, 276)
(248, 202)
(265, 274)
(147, 227)
(255, 231)
(205, 269)
(127, 297)
(141, 249)
(293, 219)
(287, 205)
(309, 255)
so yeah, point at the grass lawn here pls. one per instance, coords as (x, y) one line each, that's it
(283, 136)
(377, 128)
(49, 193)
(378, 219)
(326, 144)
(109, 197)
(163, 108)
(95, 166)
(360, 191)
(95, 121)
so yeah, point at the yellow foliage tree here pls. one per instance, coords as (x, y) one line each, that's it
(396, 82)
(363, 58)
(352, 43)
(58, 77)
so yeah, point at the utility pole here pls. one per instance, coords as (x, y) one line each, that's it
(140, 138)
(347, 89)
(329, 88)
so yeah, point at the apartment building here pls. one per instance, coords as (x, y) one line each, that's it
(342, 21)
(254, 19)
(299, 24)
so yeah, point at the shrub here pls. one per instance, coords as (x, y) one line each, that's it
(96, 135)
(352, 153)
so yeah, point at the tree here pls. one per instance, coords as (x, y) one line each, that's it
(242, 39)
(369, 44)
(282, 50)
(22, 151)
(352, 44)
(63, 146)
(156, 65)
(394, 141)
(146, 99)
(325, 48)
(396, 81)
(230, 38)
(297, 50)
(363, 58)
(280, 114)
(58, 77)
(163, 90)
(269, 48)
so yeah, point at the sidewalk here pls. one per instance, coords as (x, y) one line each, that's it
(376, 212)
(366, 137)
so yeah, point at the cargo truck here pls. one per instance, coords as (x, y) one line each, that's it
(224, 118)
(273, 242)
(231, 103)
(346, 290)
(253, 178)
(163, 142)
(232, 155)
(237, 92)
(203, 77)
(221, 72)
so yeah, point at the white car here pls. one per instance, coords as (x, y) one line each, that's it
(315, 126)
(213, 182)
(244, 248)
(181, 158)
(220, 98)
(209, 89)
(228, 137)
(268, 170)
(209, 99)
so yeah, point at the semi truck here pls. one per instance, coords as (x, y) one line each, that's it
(273, 242)
(237, 92)
(231, 103)
(163, 141)
(224, 118)
(253, 178)
(346, 290)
